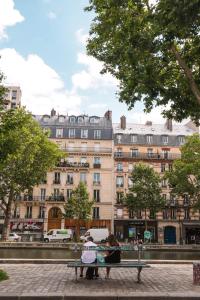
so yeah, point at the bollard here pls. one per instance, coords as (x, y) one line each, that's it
(196, 272)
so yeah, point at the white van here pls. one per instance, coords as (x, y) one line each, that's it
(98, 234)
(58, 235)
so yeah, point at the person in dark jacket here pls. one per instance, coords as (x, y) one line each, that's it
(113, 255)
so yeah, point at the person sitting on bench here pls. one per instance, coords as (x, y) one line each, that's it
(113, 256)
(89, 257)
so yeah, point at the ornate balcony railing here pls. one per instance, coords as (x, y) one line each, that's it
(88, 149)
(146, 156)
(66, 164)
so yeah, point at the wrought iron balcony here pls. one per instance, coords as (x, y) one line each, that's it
(56, 181)
(96, 166)
(54, 198)
(66, 164)
(87, 150)
(146, 156)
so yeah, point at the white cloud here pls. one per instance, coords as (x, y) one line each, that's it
(51, 15)
(42, 88)
(90, 78)
(98, 106)
(9, 16)
(141, 118)
(81, 37)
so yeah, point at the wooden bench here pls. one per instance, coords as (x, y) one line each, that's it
(139, 265)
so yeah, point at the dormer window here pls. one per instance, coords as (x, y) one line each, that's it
(80, 119)
(149, 139)
(59, 132)
(72, 119)
(164, 139)
(45, 118)
(119, 138)
(61, 119)
(134, 138)
(94, 120)
(181, 140)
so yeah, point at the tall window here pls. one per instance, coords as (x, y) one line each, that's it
(72, 119)
(181, 140)
(70, 179)
(173, 213)
(42, 194)
(80, 119)
(83, 177)
(130, 182)
(119, 181)
(166, 214)
(119, 152)
(84, 133)
(96, 178)
(29, 212)
(57, 178)
(150, 152)
(69, 193)
(119, 167)
(170, 167)
(59, 132)
(165, 154)
(149, 139)
(164, 183)
(162, 168)
(56, 194)
(134, 152)
(95, 214)
(41, 212)
(97, 160)
(97, 134)
(164, 139)
(186, 213)
(119, 138)
(120, 197)
(186, 199)
(96, 195)
(72, 133)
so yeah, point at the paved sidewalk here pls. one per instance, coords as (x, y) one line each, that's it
(58, 280)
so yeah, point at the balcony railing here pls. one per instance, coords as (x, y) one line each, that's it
(73, 165)
(96, 166)
(87, 150)
(58, 198)
(119, 185)
(96, 182)
(57, 181)
(70, 182)
(147, 156)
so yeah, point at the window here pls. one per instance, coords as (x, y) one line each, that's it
(56, 194)
(96, 178)
(134, 138)
(72, 119)
(72, 133)
(94, 120)
(130, 183)
(130, 168)
(45, 118)
(97, 160)
(170, 167)
(172, 200)
(41, 212)
(83, 177)
(162, 168)
(149, 139)
(120, 197)
(131, 214)
(119, 138)
(29, 212)
(139, 214)
(164, 183)
(56, 178)
(186, 199)
(134, 152)
(186, 213)
(164, 139)
(165, 154)
(95, 214)
(61, 119)
(69, 178)
(97, 134)
(181, 140)
(119, 213)
(166, 214)
(96, 195)
(119, 167)
(69, 193)
(16, 213)
(119, 152)
(173, 213)
(55, 212)
(42, 194)
(84, 133)
(149, 152)
(59, 132)
(119, 181)
(80, 119)
(14, 95)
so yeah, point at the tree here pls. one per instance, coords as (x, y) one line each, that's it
(79, 206)
(2, 92)
(185, 176)
(26, 154)
(153, 50)
(145, 192)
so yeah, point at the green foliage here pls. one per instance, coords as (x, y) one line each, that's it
(185, 176)
(153, 50)
(79, 206)
(3, 275)
(145, 193)
(2, 91)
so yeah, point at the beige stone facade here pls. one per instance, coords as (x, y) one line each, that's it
(12, 97)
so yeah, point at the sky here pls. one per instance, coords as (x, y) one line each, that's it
(42, 49)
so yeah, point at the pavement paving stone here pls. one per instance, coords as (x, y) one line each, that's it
(53, 279)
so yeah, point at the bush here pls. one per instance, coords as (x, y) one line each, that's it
(3, 275)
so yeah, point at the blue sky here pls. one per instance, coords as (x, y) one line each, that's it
(42, 45)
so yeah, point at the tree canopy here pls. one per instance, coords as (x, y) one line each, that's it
(26, 154)
(145, 192)
(152, 48)
(185, 176)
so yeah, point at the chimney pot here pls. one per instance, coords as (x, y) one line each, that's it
(123, 122)
(53, 112)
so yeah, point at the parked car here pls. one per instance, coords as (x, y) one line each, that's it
(98, 234)
(13, 237)
(58, 235)
(32, 227)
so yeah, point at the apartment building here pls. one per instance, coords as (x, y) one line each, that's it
(88, 142)
(12, 97)
(157, 146)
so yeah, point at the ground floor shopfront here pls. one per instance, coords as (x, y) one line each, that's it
(133, 229)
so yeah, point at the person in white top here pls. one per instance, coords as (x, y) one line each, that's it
(89, 256)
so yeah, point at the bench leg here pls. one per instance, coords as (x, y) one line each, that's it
(138, 275)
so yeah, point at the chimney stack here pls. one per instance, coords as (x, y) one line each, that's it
(53, 112)
(108, 115)
(168, 124)
(123, 122)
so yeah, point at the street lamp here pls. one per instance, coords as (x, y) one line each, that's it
(179, 213)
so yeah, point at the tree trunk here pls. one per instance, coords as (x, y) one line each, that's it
(145, 220)
(6, 226)
(188, 73)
